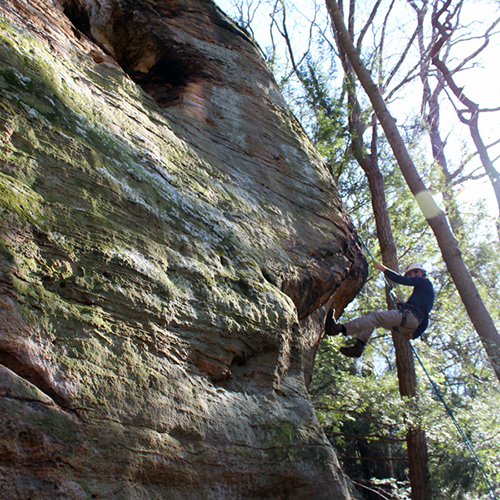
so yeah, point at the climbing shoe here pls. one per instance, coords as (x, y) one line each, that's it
(353, 351)
(332, 328)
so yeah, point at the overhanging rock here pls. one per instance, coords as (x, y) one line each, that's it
(166, 232)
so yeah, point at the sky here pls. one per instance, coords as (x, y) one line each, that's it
(480, 82)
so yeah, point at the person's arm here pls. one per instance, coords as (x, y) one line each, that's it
(380, 267)
(394, 276)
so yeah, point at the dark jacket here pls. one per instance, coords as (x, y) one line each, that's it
(422, 297)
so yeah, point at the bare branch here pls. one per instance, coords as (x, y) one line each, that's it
(480, 49)
(408, 78)
(470, 115)
(488, 110)
(352, 8)
(368, 24)
(469, 177)
(286, 37)
(398, 65)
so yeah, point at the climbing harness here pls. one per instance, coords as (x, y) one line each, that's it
(404, 309)
(466, 441)
(403, 321)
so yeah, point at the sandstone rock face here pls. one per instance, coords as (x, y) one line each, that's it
(168, 239)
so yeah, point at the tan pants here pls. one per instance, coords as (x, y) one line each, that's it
(363, 326)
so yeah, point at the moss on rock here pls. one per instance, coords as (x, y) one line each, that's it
(155, 263)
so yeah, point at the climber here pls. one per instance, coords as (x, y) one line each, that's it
(410, 318)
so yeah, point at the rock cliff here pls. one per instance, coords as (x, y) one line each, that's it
(168, 239)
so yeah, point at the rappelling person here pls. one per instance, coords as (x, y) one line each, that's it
(410, 318)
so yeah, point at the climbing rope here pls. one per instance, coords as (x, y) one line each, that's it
(466, 441)
(387, 284)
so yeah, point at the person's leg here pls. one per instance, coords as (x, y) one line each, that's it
(363, 327)
(332, 328)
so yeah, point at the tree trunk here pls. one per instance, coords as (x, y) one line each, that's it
(415, 437)
(450, 252)
(417, 454)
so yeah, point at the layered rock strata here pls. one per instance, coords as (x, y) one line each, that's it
(168, 239)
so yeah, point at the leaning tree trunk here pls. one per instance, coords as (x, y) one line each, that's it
(450, 252)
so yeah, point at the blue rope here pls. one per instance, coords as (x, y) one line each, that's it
(387, 284)
(438, 394)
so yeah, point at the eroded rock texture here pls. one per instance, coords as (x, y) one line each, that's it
(168, 238)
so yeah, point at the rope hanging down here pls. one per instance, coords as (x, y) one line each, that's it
(466, 441)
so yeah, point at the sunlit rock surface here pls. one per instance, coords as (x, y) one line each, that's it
(168, 237)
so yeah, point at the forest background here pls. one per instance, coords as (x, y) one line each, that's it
(449, 119)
